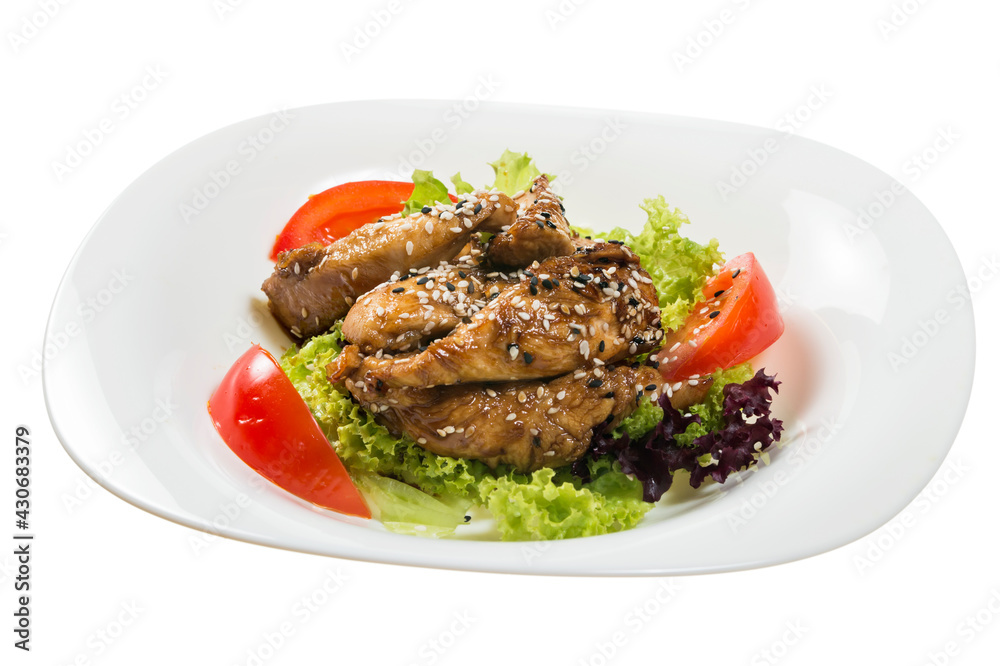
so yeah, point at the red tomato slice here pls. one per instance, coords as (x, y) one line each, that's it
(739, 320)
(266, 423)
(338, 211)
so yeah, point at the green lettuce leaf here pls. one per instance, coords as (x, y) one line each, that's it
(544, 506)
(679, 266)
(427, 191)
(514, 172)
(524, 506)
(461, 187)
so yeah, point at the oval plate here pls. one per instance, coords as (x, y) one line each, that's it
(163, 295)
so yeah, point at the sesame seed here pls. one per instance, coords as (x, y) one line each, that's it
(595, 383)
(409, 248)
(399, 290)
(651, 387)
(296, 268)
(450, 286)
(736, 272)
(540, 392)
(692, 343)
(585, 348)
(580, 375)
(421, 440)
(425, 210)
(528, 358)
(441, 433)
(380, 311)
(560, 395)
(305, 313)
(511, 416)
(674, 347)
(490, 392)
(713, 315)
(354, 273)
(600, 347)
(552, 410)
(720, 293)
(693, 382)
(524, 315)
(521, 397)
(449, 429)
(429, 227)
(632, 348)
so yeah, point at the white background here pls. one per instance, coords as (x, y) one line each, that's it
(898, 596)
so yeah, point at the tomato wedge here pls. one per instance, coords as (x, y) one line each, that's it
(338, 211)
(266, 423)
(739, 320)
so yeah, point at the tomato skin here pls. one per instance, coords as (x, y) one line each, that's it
(748, 323)
(265, 422)
(336, 212)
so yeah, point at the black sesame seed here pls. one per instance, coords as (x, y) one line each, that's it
(615, 242)
(399, 290)
(450, 286)
(600, 347)
(460, 204)
(528, 358)
(547, 284)
(533, 289)
(405, 278)
(654, 364)
(462, 275)
(539, 223)
(633, 302)
(736, 272)
(651, 387)
(493, 295)
(604, 260)
(603, 284)
(534, 280)
(720, 293)
(609, 394)
(478, 208)
(550, 224)
(638, 339)
(621, 285)
(574, 329)
(595, 383)
(546, 215)
(713, 315)
(425, 210)
(468, 518)
(555, 282)
(583, 277)
(423, 280)
(588, 238)
(471, 288)
(561, 207)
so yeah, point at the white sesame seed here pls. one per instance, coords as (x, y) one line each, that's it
(693, 382)
(692, 343)
(580, 375)
(429, 227)
(524, 315)
(296, 268)
(511, 416)
(560, 395)
(449, 429)
(380, 311)
(441, 433)
(421, 440)
(354, 273)
(409, 247)
(491, 393)
(674, 347)
(522, 397)
(552, 410)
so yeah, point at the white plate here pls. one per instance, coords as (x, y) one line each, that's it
(161, 299)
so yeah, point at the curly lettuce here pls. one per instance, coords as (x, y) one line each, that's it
(434, 491)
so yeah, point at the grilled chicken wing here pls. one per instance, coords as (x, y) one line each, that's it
(529, 424)
(314, 286)
(595, 306)
(540, 231)
(408, 311)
